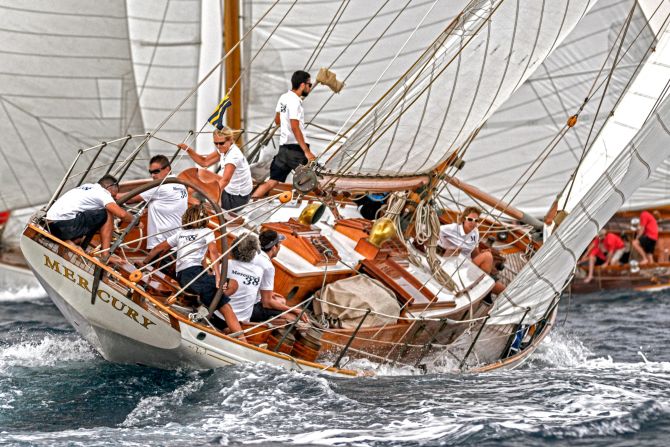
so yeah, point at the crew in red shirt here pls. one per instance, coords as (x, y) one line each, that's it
(605, 249)
(647, 235)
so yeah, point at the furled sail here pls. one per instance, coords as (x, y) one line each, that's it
(515, 155)
(469, 71)
(542, 279)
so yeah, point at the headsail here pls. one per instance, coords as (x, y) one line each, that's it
(543, 278)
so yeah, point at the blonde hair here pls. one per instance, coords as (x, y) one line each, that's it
(227, 133)
(192, 215)
(469, 210)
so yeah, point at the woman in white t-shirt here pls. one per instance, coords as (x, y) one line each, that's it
(193, 241)
(244, 276)
(463, 238)
(235, 183)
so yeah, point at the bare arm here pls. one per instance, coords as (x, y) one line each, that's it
(231, 319)
(119, 212)
(213, 253)
(295, 127)
(228, 172)
(163, 246)
(204, 161)
(271, 300)
(277, 119)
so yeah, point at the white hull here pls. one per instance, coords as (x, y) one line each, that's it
(123, 331)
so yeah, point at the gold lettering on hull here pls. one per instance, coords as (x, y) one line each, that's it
(103, 296)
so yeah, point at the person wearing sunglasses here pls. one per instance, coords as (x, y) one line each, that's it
(166, 203)
(235, 183)
(463, 238)
(293, 145)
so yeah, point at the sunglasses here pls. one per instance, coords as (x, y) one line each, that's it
(309, 83)
(221, 143)
(156, 171)
(472, 219)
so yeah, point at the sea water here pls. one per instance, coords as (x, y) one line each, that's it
(601, 378)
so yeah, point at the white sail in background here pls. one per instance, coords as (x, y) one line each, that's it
(542, 279)
(66, 83)
(165, 43)
(512, 156)
(461, 81)
(76, 73)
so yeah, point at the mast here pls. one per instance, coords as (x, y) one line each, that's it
(231, 34)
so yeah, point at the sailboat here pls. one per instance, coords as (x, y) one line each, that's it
(407, 143)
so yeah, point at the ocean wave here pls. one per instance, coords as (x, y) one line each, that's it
(153, 410)
(48, 351)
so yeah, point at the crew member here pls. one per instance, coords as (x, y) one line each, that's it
(463, 238)
(235, 183)
(268, 303)
(606, 249)
(167, 203)
(244, 276)
(193, 241)
(647, 235)
(81, 212)
(293, 145)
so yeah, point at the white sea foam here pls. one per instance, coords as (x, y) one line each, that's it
(48, 351)
(21, 294)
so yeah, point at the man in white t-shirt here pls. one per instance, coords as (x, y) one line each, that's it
(236, 183)
(293, 145)
(79, 213)
(166, 203)
(268, 303)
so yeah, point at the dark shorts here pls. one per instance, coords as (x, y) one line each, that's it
(87, 223)
(648, 245)
(204, 287)
(289, 157)
(261, 313)
(230, 201)
(600, 261)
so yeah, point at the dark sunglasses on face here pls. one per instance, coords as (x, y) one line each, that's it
(156, 171)
(220, 143)
(309, 84)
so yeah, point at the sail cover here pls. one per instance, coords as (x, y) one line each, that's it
(75, 73)
(542, 279)
(470, 70)
(513, 156)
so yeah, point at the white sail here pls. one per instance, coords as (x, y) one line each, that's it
(650, 87)
(542, 279)
(467, 74)
(76, 73)
(165, 43)
(514, 156)
(392, 36)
